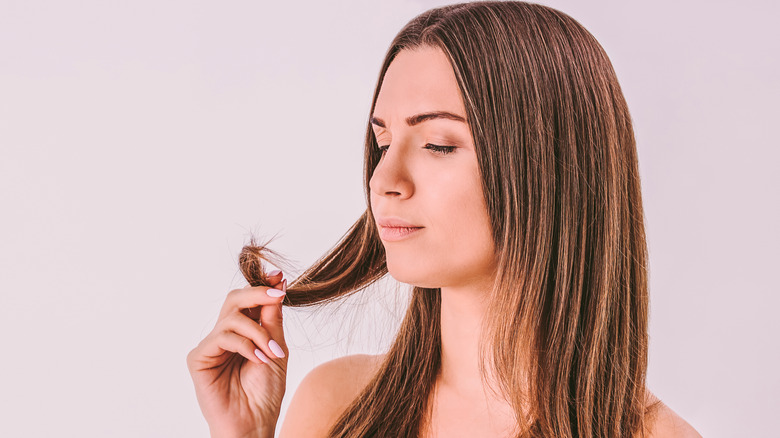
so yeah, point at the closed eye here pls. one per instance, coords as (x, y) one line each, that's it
(443, 150)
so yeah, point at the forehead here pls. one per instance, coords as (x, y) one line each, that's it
(416, 81)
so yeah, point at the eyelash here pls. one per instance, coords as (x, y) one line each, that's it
(444, 150)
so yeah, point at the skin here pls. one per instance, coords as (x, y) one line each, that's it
(453, 251)
(443, 194)
(239, 394)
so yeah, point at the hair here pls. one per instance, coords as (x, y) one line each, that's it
(568, 313)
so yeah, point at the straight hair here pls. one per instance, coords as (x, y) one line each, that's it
(566, 328)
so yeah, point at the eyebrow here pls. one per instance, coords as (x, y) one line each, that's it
(422, 117)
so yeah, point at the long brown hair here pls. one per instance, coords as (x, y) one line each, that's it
(568, 311)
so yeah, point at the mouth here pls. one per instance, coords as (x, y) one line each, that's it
(394, 234)
(394, 228)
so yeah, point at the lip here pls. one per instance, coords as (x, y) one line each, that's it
(394, 222)
(392, 229)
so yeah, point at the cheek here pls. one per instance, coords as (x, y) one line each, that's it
(465, 233)
(457, 245)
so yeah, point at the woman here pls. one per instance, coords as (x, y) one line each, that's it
(503, 184)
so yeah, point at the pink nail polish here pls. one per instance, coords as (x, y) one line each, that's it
(275, 293)
(276, 272)
(260, 355)
(276, 349)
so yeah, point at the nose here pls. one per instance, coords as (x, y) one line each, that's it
(392, 176)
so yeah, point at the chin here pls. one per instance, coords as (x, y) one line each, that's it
(412, 274)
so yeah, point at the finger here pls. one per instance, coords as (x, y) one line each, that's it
(254, 312)
(249, 329)
(225, 341)
(275, 277)
(271, 319)
(249, 298)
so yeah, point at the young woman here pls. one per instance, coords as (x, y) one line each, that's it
(502, 183)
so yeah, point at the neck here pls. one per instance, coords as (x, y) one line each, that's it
(459, 392)
(462, 312)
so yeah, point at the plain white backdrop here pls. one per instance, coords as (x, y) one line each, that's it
(141, 142)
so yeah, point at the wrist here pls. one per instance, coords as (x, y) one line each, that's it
(258, 427)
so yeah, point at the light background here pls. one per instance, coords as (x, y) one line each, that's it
(140, 143)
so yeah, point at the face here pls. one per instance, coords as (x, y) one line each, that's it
(427, 185)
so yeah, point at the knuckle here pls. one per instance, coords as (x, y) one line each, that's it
(229, 320)
(247, 344)
(221, 324)
(236, 318)
(192, 357)
(223, 333)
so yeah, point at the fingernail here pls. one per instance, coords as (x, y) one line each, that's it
(284, 286)
(275, 348)
(276, 293)
(262, 356)
(276, 272)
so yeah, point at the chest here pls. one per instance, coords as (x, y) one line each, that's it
(454, 417)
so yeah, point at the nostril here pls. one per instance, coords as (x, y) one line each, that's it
(390, 179)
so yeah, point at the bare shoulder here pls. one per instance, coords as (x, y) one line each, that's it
(326, 392)
(663, 422)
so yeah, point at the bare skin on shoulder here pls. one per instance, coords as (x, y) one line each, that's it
(503, 186)
(416, 185)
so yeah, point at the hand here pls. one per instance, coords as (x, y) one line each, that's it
(240, 392)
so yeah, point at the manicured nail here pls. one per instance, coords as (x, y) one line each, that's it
(276, 293)
(275, 348)
(276, 272)
(262, 356)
